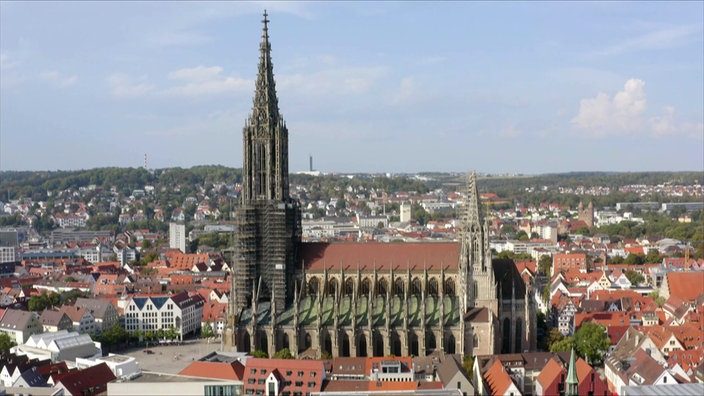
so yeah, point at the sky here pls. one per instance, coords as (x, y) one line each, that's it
(400, 87)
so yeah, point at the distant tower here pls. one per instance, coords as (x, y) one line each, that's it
(586, 215)
(405, 212)
(310, 163)
(177, 236)
(267, 221)
(476, 270)
(145, 161)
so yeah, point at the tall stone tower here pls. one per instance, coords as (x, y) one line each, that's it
(586, 215)
(476, 271)
(268, 222)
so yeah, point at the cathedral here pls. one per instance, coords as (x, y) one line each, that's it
(358, 299)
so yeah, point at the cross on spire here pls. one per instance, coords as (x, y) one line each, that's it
(265, 21)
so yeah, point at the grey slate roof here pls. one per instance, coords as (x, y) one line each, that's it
(15, 319)
(51, 318)
(98, 307)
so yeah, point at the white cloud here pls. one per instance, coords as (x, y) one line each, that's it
(601, 115)
(662, 38)
(340, 80)
(121, 86)
(203, 80)
(7, 62)
(56, 79)
(664, 124)
(406, 89)
(196, 81)
(198, 73)
(625, 114)
(693, 130)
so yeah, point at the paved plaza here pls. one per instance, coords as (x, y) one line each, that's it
(172, 358)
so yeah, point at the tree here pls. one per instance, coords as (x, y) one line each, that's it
(207, 331)
(541, 323)
(114, 335)
(592, 342)
(6, 343)
(546, 294)
(260, 354)
(171, 333)
(653, 256)
(468, 366)
(635, 277)
(583, 231)
(634, 259)
(554, 337)
(659, 300)
(545, 264)
(325, 356)
(565, 344)
(150, 257)
(283, 354)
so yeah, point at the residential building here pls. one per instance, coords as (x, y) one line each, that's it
(151, 313)
(83, 320)
(89, 381)
(564, 262)
(53, 321)
(104, 313)
(283, 376)
(20, 325)
(177, 236)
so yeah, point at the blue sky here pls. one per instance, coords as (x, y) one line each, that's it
(504, 87)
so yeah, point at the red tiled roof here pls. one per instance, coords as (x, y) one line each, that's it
(497, 379)
(186, 261)
(550, 373)
(312, 373)
(230, 371)
(212, 311)
(75, 313)
(686, 285)
(92, 380)
(381, 256)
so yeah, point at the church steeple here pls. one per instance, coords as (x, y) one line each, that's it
(267, 219)
(471, 220)
(265, 173)
(572, 379)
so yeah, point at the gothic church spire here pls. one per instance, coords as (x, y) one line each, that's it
(265, 137)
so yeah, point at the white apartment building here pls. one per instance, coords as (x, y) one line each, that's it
(177, 236)
(152, 313)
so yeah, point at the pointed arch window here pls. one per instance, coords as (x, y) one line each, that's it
(433, 287)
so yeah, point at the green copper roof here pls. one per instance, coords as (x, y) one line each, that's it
(572, 380)
(308, 312)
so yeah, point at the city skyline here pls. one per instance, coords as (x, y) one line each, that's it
(364, 87)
